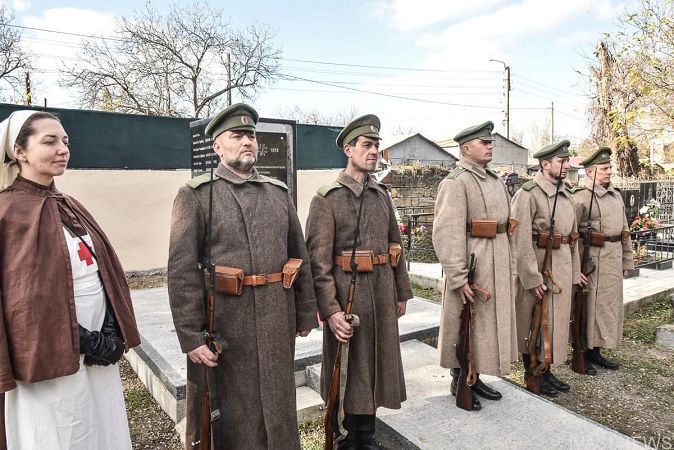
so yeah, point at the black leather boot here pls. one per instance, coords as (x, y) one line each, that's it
(547, 389)
(591, 370)
(485, 391)
(455, 384)
(365, 425)
(350, 442)
(556, 382)
(596, 357)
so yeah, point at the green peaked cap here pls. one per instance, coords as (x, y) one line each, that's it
(482, 131)
(239, 116)
(599, 157)
(367, 125)
(560, 149)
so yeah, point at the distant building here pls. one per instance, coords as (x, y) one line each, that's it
(409, 149)
(506, 153)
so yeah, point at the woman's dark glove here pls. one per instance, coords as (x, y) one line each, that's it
(103, 347)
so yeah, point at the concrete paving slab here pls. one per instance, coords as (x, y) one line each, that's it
(664, 336)
(429, 419)
(162, 367)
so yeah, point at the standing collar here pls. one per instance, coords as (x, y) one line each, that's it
(547, 186)
(348, 181)
(228, 175)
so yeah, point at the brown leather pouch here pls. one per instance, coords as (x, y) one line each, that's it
(483, 228)
(542, 241)
(573, 238)
(228, 280)
(363, 259)
(625, 236)
(290, 271)
(512, 225)
(394, 252)
(597, 238)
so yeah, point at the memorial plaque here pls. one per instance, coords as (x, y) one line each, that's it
(276, 155)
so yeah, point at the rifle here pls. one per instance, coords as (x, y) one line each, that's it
(208, 412)
(464, 350)
(333, 393)
(579, 319)
(539, 333)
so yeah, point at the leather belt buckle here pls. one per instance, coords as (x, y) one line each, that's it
(259, 280)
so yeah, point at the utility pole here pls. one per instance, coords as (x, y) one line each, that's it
(229, 81)
(552, 122)
(506, 122)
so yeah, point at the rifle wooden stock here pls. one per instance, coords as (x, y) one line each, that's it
(464, 355)
(579, 318)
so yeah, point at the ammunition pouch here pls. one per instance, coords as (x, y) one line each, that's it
(489, 228)
(625, 235)
(228, 280)
(542, 240)
(290, 271)
(366, 259)
(597, 238)
(395, 251)
(542, 237)
(512, 225)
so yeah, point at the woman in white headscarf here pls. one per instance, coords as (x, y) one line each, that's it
(65, 309)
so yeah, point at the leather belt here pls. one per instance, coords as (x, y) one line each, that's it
(616, 238)
(500, 227)
(344, 261)
(565, 239)
(261, 280)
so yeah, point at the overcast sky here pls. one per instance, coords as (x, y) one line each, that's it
(443, 45)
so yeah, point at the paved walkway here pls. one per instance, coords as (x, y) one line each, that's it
(637, 291)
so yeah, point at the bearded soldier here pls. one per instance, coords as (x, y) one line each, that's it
(256, 244)
(472, 216)
(375, 371)
(610, 251)
(532, 206)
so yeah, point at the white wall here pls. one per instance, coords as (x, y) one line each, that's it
(134, 207)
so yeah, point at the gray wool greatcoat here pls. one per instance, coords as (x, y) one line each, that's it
(533, 209)
(605, 311)
(375, 371)
(465, 195)
(255, 228)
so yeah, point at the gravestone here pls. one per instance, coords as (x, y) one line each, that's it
(276, 156)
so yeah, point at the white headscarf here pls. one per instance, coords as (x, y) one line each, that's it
(9, 130)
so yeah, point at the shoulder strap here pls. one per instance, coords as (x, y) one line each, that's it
(456, 172)
(198, 181)
(326, 188)
(529, 185)
(274, 181)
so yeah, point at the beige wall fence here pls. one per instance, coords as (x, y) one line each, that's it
(134, 207)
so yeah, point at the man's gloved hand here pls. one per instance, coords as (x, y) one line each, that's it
(103, 347)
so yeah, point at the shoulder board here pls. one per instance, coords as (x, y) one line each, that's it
(274, 181)
(491, 172)
(382, 185)
(201, 179)
(323, 190)
(616, 188)
(456, 172)
(529, 185)
(577, 189)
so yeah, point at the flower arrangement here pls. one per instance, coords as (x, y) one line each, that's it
(647, 218)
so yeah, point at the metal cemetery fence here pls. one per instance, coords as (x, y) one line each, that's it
(654, 248)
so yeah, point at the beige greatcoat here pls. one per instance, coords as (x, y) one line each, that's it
(533, 209)
(476, 194)
(375, 370)
(605, 311)
(255, 228)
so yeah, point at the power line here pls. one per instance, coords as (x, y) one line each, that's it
(389, 67)
(68, 33)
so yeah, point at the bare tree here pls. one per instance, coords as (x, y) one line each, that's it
(14, 61)
(173, 64)
(316, 117)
